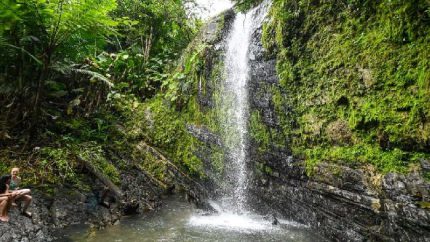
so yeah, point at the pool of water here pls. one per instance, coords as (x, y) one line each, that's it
(179, 221)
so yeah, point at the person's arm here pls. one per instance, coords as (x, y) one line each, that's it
(10, 193)
(6, 194)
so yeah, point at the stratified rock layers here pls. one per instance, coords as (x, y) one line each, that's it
(340, 202)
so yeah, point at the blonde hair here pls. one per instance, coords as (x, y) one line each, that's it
(14, 169)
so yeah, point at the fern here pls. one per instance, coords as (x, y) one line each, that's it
(94, 75)
(3, 41)
(67, 69)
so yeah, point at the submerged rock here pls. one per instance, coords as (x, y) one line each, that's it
(275, 221)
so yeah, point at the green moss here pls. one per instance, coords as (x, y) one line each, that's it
(259, 131)
(268, 170)
(264, 169)
(270, 137)
(424, 204)
(427, 176)
(168, 115)
(333, 65)
(152, 165)
(94, 153)
(217, 158)
(386, 161)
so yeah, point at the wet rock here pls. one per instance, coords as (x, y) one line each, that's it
(274, 220)
(204, 135)
(140, 192)
(67, 206)
(217, 27)
(21, 228)
(342, 203)
(343, 211)
(425, 165)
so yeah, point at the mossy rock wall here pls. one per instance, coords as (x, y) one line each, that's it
(339, 110)
(182, 120)
(354, 83)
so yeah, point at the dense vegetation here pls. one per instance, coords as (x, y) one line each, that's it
(356, 76)
(74, 76)
(93, 79)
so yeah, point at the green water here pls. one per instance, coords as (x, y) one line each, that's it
(179, 221)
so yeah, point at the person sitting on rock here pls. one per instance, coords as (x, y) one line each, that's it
(5, 198)
(21, 195)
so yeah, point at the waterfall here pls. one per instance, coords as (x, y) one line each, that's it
(232, 210)
(234, 104)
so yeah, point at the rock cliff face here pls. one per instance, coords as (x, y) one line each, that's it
(340, 202)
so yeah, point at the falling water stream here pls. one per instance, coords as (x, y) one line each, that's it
(233, 221)
(234, 109)
(232, 209)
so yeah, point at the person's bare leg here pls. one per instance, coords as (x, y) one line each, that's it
(3, 202)
(9, 204)
(27, 200)
(20, 193)
(19, 196)
(4, 209)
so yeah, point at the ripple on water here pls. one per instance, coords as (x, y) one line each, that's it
(244, 223)
(231, 221)
(179, 221)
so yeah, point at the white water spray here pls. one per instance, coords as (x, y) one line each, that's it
(232, 213)
(234, 104)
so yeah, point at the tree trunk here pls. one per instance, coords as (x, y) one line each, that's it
(104, 179)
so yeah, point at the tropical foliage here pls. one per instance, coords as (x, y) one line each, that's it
(72, 71)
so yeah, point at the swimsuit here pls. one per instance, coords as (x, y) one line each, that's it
(13, 184)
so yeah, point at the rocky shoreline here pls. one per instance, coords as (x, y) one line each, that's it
(342, 203)
(68, 206)
(96, 201)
